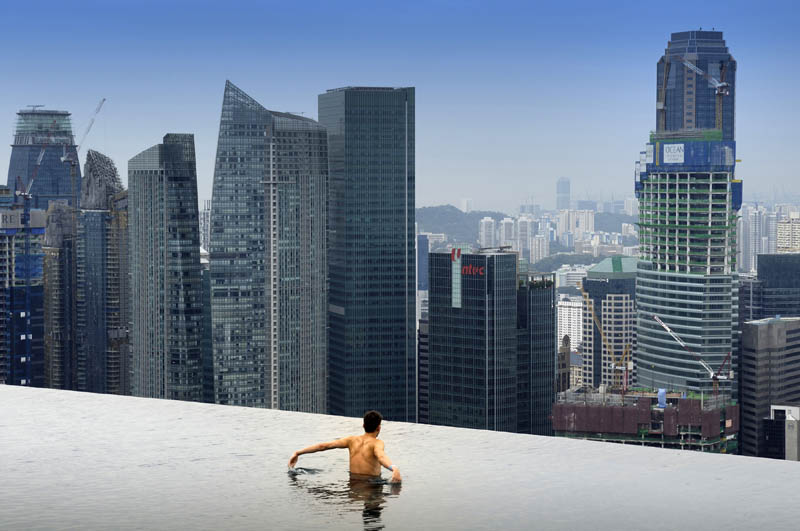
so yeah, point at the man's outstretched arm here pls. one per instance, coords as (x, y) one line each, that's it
(384, 460)
(321, 447)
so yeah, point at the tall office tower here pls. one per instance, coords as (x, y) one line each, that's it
(570, 319)
(61, 368)
(205, 225)
(536, 352)
(540, 248)
(466, 205)
(97, 291)
(118, 293)
(166, 292)
(267, 258)
(371, 250)
(788, 234)
(688, 204)
(609, 296)
(486, 233)
(562, 194)
(526, 229)
(472, 340)
(770, 374)
(507, 233)
(21, 346)
(51, 130)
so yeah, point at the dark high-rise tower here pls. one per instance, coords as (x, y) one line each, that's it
(166, 291)
(473, 353)
(687, 99)
(371, 250)
(53, 129)
(98, 293)
(267, 258)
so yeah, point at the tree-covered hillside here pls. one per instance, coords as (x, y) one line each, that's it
(460, 227)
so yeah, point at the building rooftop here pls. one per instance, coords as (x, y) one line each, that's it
(90, 461)
(614, 267)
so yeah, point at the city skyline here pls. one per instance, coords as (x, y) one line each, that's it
(530, 123)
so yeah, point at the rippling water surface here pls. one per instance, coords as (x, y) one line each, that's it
(81, 461)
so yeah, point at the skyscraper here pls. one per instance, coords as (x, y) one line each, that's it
(61, 366)
(472, 341)
(562, 194)
(371, 250)
(610, 296)
(486, 233)
(770, 373)
(166, 311)
(268, 258)
(37, 128)
(688, 204)
(507, 232)
(99, 357)
(21, 347)
(536, 352)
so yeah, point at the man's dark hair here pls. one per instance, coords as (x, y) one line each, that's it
(372, 419)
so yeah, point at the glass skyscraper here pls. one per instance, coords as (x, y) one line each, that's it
(97, 282)
(371, 250)
(536, 352)
(53, 129)
(166, 291)
(268, 258)
(473, 344)
(688, 206)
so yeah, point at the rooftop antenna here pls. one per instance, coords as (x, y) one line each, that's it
(34, 107)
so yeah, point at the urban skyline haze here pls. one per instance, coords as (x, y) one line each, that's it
(512, 93)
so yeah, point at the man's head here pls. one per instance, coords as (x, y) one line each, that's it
(372, 421)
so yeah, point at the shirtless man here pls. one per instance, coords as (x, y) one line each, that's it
(366, 451)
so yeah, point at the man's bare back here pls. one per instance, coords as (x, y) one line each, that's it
(366, 451)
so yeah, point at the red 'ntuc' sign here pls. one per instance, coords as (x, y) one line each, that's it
(473, 270)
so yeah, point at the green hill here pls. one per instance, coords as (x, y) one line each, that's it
(460, 227)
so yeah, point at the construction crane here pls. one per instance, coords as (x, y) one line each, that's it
(623, 364)
(722, 89)
(73, 162)
(24, 193)
(715, 376)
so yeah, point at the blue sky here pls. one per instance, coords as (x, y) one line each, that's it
(510, 95)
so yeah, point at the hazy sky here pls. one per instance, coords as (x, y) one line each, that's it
(509, 95)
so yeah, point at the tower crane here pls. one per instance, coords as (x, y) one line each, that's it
(73, 162)
(623, 364)
(715, 376)
(722, 88)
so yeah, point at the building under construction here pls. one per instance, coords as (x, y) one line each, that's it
(705, 423)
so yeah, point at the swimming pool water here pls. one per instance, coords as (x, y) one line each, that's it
(82, 461)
